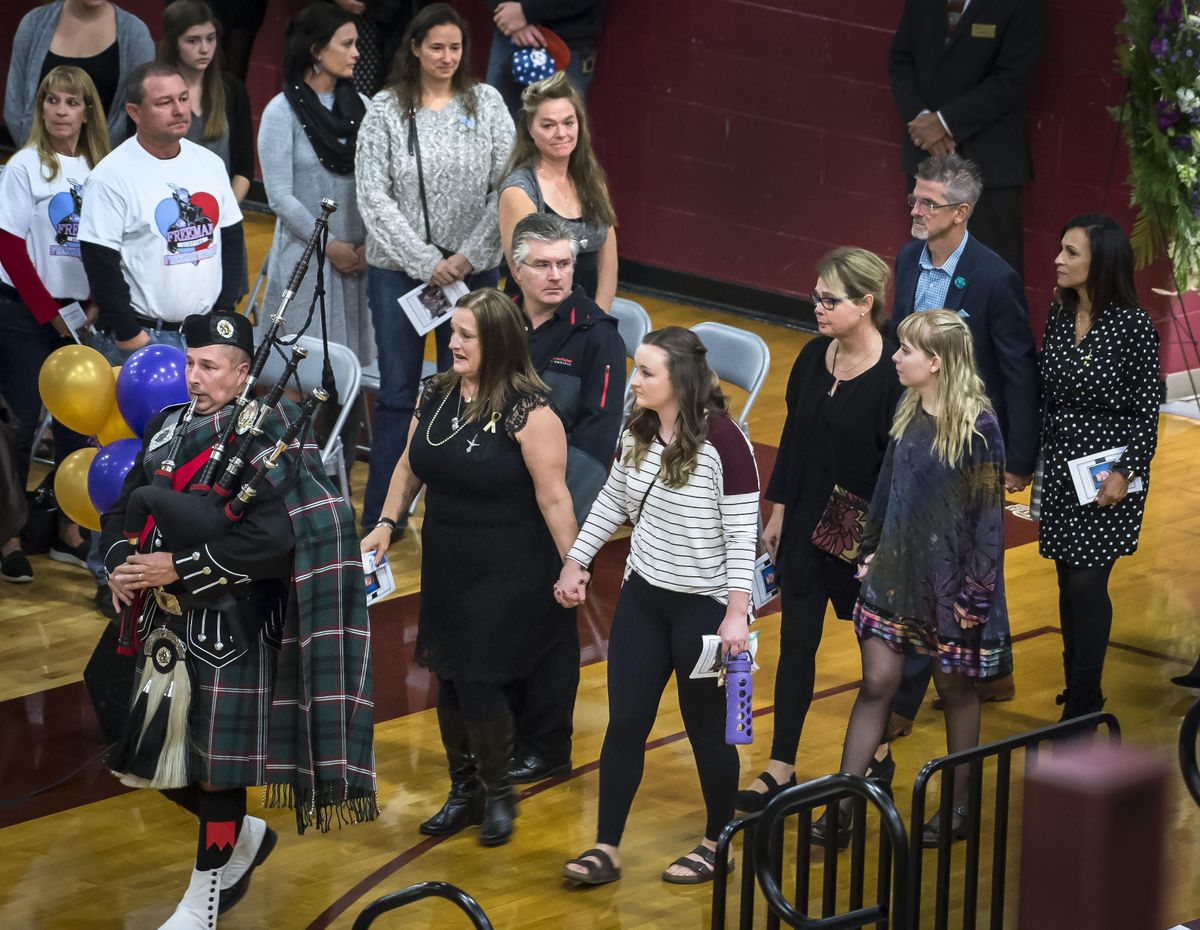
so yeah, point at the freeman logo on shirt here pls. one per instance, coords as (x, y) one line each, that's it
(559, 360)
(63, 211)
(187, 222)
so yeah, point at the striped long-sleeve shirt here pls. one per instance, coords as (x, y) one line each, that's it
(696, 539)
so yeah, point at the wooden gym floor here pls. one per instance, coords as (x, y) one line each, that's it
(91, 854)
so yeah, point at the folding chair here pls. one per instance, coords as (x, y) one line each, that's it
(633, 323)
(737, 356)
(347, 374)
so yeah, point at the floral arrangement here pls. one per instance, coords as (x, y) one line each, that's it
(1160, 62)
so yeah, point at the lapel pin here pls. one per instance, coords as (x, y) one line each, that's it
(960, 282)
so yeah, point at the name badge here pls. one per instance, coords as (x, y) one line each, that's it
(983, 30)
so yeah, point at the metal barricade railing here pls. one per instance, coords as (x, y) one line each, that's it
(763, 859)
(974, 759)
(389, 902)
(1187, 751)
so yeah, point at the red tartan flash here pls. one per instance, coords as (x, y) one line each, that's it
(219, 834)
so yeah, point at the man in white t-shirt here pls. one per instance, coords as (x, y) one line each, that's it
(161, 236)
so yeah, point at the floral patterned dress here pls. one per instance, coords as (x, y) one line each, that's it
(936, 583)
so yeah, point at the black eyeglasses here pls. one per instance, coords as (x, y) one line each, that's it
(927, 207)
(829, 301)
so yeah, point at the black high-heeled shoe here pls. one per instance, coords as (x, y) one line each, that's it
(882, 771)
(931, 835)
(751, 801)
(816, 833)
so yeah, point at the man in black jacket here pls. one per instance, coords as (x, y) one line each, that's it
(519, 24)
(959, 69)
(576, 348)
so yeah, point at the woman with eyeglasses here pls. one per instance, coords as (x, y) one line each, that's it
(841, 396)
(430, 157)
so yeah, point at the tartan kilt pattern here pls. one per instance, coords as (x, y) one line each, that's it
(228, 723)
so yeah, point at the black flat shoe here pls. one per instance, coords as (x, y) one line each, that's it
(932, 834)
(530, 768)
(752, 801)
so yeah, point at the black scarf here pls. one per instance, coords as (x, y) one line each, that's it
(326, 128)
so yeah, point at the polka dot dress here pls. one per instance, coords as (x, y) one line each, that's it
(1100, 394)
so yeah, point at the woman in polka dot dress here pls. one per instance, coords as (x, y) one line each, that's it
(1100, 376)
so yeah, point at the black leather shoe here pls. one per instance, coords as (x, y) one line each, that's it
(492, 745)
(932, 834)
(845, 826)
(532, 767)
(464, 804)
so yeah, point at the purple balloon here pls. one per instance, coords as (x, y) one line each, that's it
(151, 379)
(108, 471)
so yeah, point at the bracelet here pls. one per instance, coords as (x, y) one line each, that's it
(386, 521)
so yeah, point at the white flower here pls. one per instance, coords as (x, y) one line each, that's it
(1188, 99)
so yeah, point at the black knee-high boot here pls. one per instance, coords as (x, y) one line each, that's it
(464, 805)
(492, 745)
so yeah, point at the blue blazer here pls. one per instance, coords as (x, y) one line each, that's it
(992, 302)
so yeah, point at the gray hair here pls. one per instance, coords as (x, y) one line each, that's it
(960, 176)
(541, 227)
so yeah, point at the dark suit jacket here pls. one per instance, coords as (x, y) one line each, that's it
(994, 300)
(977, 81)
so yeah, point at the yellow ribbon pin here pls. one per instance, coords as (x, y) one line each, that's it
(491, 427)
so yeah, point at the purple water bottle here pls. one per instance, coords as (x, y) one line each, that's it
(739, 688)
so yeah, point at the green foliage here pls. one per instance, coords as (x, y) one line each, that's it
(1160, 62)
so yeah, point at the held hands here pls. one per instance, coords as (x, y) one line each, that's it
(571, 588)
(861, 572)
(1014, 483)
(346, 258)
(451, 269)
(1114, 489)
(734, 632)
(928, 133)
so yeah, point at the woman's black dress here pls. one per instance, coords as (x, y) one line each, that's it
(1100, 394)
(488, 561)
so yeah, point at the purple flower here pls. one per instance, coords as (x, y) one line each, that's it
(1159, 47)
(1182, 142)
(1168, 115)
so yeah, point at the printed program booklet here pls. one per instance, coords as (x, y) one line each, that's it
(428, 306)
(1090, 471)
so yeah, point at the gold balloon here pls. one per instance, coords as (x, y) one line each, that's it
(78, 388)
(116, 428)
(71, 489)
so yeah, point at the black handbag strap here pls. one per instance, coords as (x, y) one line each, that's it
(414, 149)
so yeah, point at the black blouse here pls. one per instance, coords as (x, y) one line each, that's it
(831, 440)
(104, 69)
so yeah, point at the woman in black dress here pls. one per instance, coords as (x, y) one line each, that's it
(498, 520)
(841, 395)
(1100, 374)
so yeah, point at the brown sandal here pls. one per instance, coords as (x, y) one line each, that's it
(598, 866)
(701, 871)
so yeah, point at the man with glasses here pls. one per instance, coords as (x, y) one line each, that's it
(945, 266)
(959, 69)
(577, 350)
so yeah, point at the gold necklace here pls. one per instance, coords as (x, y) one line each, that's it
(456, 429)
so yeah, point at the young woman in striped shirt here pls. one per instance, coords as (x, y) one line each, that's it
(686, 478)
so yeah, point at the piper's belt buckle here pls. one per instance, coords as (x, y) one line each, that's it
(168, 602)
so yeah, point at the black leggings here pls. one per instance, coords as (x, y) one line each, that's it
(800, 625)
(1085, 614)
(654, 633)
(477, 701)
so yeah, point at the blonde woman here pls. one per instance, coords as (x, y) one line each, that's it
(554, 170)
(932, 555)
(41, 194)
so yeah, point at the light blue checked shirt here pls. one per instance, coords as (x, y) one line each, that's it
(933, 283)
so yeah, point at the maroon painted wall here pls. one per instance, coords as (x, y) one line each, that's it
(744, 139)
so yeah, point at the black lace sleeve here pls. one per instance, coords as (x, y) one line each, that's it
(518, 414)
(426, 397)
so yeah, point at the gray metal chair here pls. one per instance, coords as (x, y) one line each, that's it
(347, 375)
(633, 323)
(737, 356)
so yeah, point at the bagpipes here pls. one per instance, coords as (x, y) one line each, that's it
(152, 749)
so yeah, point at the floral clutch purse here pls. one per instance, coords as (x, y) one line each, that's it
(840, 529)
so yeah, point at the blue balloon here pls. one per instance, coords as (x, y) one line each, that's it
(151, 379)
(108, 471)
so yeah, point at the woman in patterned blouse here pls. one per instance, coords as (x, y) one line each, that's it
(1100, 376)
(932, 554)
